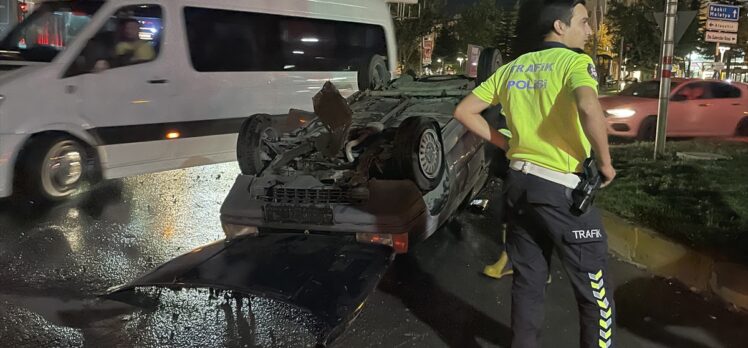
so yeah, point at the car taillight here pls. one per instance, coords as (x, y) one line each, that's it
(399, 241)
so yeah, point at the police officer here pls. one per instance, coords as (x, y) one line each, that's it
(550, 99)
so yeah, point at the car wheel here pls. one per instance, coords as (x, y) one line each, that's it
(488, 62)
(742, 129)
(52, 169)
(419, 153)
(373, 74)
(647, 129)
(252, 150)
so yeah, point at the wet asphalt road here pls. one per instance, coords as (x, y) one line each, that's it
(56, 261)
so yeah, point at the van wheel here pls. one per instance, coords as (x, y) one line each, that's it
(252, 149)
(647, 129)
(52, 169)
(419, 153)
(488, 62)
(742, 129)
(373, 74)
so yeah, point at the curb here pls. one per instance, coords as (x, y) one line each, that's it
(663, 257)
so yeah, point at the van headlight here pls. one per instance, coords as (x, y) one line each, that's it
(620, 112)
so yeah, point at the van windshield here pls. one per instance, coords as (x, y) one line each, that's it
(48, 30)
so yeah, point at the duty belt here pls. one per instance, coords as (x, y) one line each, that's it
(566, 179)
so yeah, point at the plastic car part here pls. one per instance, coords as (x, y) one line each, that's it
(399, 241)
(233, 231)
(371, 128)
(418, 152)
(336, 115)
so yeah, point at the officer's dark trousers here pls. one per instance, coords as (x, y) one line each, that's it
(539, 220)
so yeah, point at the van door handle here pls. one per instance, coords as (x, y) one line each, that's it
(158, 81)
(735, 104)
(703, 105)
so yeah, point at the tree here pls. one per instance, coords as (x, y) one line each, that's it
(605, 41)
(486, 24)
(635, 25)
(446, 45)
(410, 32)
(507, 30)
(478, 24)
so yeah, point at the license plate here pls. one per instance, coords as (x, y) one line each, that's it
(318, 215)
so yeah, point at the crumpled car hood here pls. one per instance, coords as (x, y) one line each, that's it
(330, 276)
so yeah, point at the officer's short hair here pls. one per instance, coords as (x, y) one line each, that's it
(554, 10)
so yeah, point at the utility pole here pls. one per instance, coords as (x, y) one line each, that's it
(620, 63)
(667, 65)
(596, 29)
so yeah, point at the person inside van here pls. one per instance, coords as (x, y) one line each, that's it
(130, 48)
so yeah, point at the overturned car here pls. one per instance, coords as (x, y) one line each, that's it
(326, 198)
(390, 166)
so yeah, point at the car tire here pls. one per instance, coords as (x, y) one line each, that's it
(252, 153)
(489, 61)
(52, 168)
(373, 73)
(419, 153)
(647, 129)
(742, 129)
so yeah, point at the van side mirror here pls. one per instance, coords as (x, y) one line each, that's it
(678, 97)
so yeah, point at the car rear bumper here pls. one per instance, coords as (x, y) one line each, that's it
(393, 207)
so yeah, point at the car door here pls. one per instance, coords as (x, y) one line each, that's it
(687, 106)
(125, 90)
(727, 107)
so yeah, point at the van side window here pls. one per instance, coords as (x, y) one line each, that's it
(131, 36)
(222, 40)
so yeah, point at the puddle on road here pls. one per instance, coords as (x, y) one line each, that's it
(156, 317)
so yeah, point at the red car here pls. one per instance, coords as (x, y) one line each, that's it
(697, 108)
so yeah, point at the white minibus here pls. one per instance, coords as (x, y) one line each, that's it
(108, 89)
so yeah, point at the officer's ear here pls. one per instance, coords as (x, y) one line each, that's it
(559, 27)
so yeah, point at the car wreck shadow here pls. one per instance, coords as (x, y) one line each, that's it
(457, 323)
(664, 311)
(244, 328)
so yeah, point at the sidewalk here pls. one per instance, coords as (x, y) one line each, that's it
(661, 256)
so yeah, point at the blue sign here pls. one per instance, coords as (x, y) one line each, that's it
(724, 12)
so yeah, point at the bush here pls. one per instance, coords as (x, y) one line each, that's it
(702, 203)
